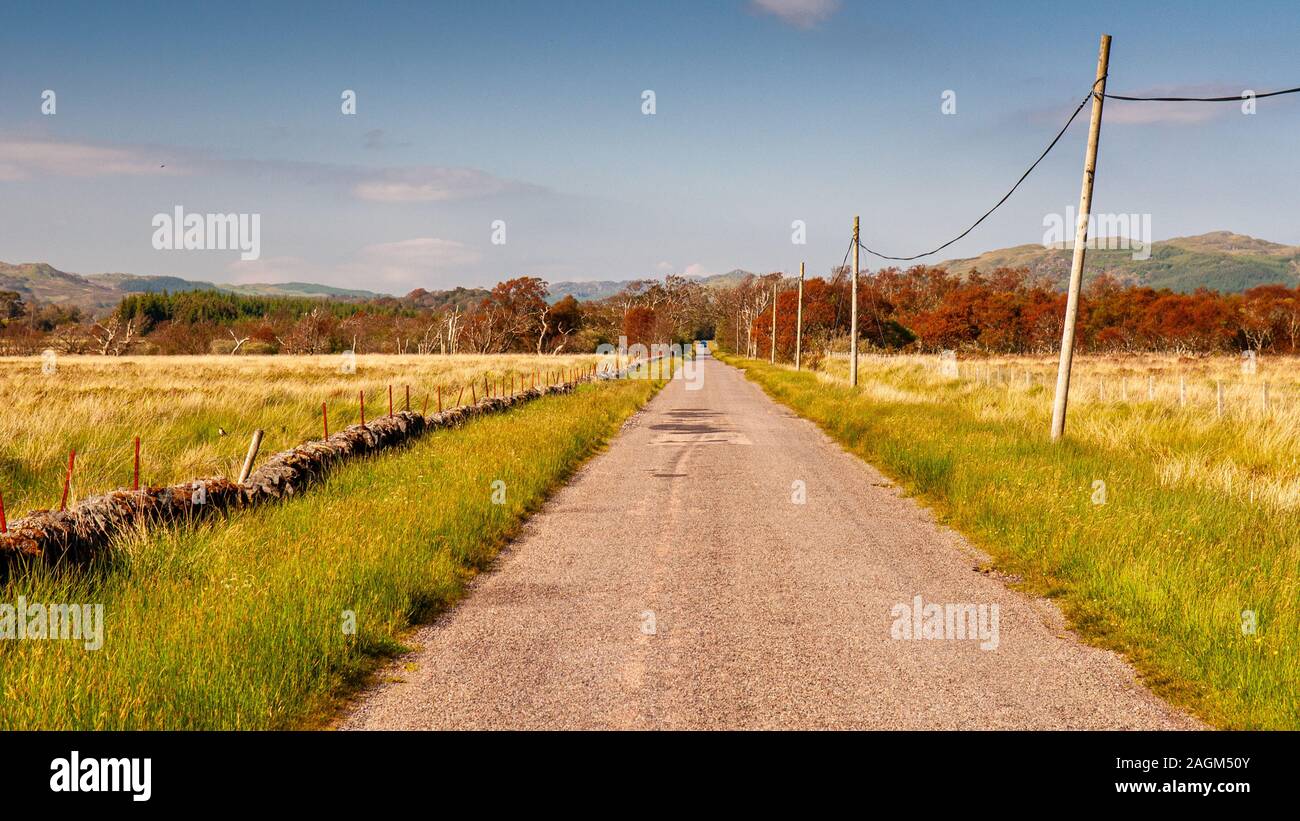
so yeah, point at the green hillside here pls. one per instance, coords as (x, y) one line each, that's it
(1220, 261)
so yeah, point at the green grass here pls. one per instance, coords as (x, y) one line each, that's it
(239, 624)
(1161, 572)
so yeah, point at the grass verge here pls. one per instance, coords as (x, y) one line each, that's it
(1169, 572)
(244, 623)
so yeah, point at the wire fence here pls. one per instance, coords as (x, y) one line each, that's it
(141, 461)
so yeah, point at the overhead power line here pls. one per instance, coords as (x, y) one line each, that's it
(1005, 196)
(1052, 145)
(1236, 99)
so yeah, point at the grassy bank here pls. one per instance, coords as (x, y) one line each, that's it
(244, 624)
(1162, 567)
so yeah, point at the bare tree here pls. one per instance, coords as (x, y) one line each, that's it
(452, 323)
(112, 336)
(308, 336)
(239, 343)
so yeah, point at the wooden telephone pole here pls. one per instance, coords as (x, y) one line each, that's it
(853, 314)
(772, 352)
(798, 323)
(1080, 240)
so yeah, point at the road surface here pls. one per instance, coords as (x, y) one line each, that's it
(677, 582)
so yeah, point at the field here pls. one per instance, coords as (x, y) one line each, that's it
(266, 618)
(1166, 529)
(180, 405)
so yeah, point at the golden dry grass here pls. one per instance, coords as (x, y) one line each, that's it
(1164, 407)
(178, 405)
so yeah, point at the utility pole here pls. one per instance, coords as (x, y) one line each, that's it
(772, 353)
(798, 323)
(750, 351)
(1080, 240)
(853, 314)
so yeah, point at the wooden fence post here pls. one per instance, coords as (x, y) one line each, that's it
(325, 419)
(253, 447)
(135, 473)
(67, 479)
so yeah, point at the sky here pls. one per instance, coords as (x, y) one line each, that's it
(477, 122)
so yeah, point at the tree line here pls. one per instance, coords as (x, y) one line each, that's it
(919, 309)
(926, 309)
(516, 316)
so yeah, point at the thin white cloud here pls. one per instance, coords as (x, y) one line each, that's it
(22, 159)
(802, 14)
(378, 139)
(413, 260)
(434, 184)
(273, 269)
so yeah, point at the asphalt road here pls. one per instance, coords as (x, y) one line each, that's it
(678, 582)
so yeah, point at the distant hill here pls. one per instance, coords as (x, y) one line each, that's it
(41, 282)
(1221, 261)
(584, 291)
(600, 289)
(136, 284)
(458, 297)
(97, 293)
(299, 289)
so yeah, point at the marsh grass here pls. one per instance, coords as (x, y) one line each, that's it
(1199, 522)
(239, 624)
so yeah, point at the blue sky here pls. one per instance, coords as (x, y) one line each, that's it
(767, 111)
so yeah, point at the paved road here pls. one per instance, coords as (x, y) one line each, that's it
(676, 583)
